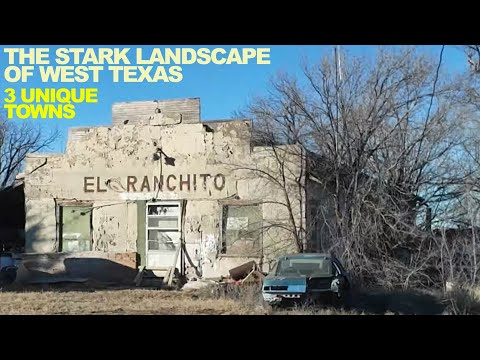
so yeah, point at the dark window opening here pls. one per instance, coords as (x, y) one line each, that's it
(242, 230)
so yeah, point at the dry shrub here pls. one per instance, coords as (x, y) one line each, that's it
(248, 294)
(463, 301)
(309, 309)
(314, 311)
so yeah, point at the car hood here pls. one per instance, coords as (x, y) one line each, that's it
(285, 280)
(285, 284)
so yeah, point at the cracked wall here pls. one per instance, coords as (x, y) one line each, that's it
(112, 227)
(108, 155)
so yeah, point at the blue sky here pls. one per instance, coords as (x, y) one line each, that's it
(222, 88)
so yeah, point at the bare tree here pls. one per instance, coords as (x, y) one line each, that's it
(383, 138)
(473, 56)
(460, 240)
(277, 132)
(16, 141)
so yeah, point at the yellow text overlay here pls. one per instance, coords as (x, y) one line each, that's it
(46, 103)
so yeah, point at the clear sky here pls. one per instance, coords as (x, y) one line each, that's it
(221, 88)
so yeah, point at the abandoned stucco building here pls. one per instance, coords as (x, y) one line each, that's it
(132, 193)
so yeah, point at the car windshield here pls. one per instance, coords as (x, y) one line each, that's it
(306, 266)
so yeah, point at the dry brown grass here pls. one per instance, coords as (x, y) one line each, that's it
(80, 300)
(134, 301)
(229, 300)
(312, 311)
(463, 301)
(250, 296)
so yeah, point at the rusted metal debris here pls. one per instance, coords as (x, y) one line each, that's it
(255, 276)
(240, 272)
(246, 273)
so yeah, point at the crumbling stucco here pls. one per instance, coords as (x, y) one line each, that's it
(111, 227)
(204, 163)
(40, 226)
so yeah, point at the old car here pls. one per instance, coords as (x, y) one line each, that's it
(305, 278)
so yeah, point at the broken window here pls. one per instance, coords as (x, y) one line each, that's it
(76, 228)
(163, 226)
(307, 267)
(242, 230)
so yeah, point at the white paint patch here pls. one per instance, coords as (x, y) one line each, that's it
(209, 245)
(237, 223)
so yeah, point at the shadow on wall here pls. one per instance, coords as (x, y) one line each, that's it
(47, 266)
(41, 236)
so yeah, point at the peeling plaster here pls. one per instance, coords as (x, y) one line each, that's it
(118, 151)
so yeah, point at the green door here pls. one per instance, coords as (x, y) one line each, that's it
(76, 229)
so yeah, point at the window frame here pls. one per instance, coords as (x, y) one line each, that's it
(223, 249)
(60, 206)
(165, 230)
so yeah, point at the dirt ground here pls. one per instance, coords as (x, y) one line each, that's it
(79, 300)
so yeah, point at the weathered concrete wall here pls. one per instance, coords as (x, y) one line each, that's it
(113, 153)
(205, 163)
(40, 225)
(114, 226)
(278, 181)
(186, 111)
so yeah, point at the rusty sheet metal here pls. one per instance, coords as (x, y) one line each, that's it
(240, 272)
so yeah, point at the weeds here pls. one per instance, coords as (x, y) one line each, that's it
(463, 301)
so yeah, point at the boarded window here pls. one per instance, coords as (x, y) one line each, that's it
(76, 228)
(242, 230)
